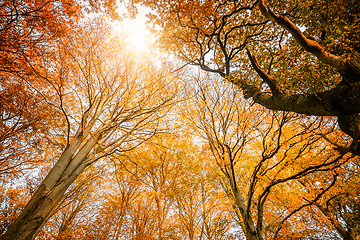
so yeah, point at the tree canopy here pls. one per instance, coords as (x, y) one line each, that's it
(242, 123)
(297, 56)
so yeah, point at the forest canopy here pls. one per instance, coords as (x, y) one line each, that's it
(240, 122)
(296, 56)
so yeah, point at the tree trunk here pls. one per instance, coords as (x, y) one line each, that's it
(251, 232)
(42, 204)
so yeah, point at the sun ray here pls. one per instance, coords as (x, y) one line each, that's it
(138, 35)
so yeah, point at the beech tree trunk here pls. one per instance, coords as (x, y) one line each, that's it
(51, 190)
(250, 230)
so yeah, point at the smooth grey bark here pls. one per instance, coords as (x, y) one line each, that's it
(250, 229)
(40, 207)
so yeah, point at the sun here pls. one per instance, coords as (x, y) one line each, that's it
(139, 38)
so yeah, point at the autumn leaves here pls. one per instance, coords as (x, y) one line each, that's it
(99, 143)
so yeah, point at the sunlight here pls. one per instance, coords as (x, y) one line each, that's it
(138, 35)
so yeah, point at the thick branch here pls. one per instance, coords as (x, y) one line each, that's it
(274, 86)
(322, 104)
(308, 44)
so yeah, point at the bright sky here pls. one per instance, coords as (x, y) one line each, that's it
(139, 36)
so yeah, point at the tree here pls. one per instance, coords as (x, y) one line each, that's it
(147, 193)
(111, 219)
(22, 132)
(181, 194)
(28, 31)
(202, 210)
(170, 173)
(309, 50)
(264, 160)
(25, 28)
(107, 106)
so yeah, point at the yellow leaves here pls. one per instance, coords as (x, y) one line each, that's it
(13, 200)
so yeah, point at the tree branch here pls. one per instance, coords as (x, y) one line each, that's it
(308, 44)
(320, 104)
(274, 86)
(306, 205)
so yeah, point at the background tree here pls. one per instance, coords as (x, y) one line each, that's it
(177, 201)
(202, 209)
(116, 197)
